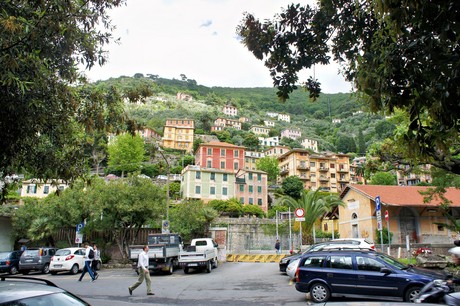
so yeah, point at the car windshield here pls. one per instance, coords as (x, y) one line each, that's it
(31, 253)
(57, 299)
(62, 252)
(4, 255)
(392, 261)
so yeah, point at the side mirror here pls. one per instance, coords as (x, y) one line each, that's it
(385, 271)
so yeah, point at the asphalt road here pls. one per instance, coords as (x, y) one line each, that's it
(229, 284)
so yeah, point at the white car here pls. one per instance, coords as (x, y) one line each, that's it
(68, 260)
(360, 243)
(292, 268)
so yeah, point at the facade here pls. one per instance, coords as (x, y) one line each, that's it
(243, 119)
(251, 188)
(409, 215)
(183, 96)
(178, 134)
(269, 141)
(406, 175)
(149, 135)
(250, 159)
(207, 184)
(276, 151)
(269, 123)
(220, 155)
(336, 121)
(39, 189)
(227, 123)
(326, 171)
(357, 170)
(310, 144)
(272, 114)
(230, 110)
(284, 117)
(291, 133)
(259, 130)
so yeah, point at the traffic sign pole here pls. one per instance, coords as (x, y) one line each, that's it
(379, 219)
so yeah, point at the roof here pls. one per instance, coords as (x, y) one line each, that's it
(220, 144)
(402, 195)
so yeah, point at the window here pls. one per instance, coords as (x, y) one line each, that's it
(197, 189)
(224, 190)
(32, 189)
(312, 164)
(339, 262)
(259, 177)
(332, 166)
(368, 264)
(46, 189)
(209, 151)
(259, 189)
(212, 190)
(241, 187)
(251, 188)
(224, 177)
(198, 175)
(209, 164)
(242, 200)
(213, 176)
(235, 166)
(222, 152)
(314, 261)
(235, 153)
(251, 201)
(250, 176)
(222, 165)
(332, 175)
(259, 201)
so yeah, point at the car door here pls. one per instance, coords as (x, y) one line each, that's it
(371, 281)
(80, 259)
(340, 274)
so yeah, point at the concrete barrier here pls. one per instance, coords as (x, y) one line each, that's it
(254, 257)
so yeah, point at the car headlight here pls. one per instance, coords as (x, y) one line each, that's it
(284, 260)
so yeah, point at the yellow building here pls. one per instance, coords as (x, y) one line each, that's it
(325, 171)
(178, 134)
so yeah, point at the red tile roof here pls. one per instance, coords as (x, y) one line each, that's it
(402, 195)
(219, 144)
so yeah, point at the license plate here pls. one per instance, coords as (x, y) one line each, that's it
(192, 265)
(28, 260)
(57, 266)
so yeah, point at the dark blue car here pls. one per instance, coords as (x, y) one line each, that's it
(359, 274)
(9, 262)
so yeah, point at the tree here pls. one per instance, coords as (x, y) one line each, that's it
(399, 55)
(383, 178)
(44, 115)
(293, 187)
(126, 153)
(269, 164)
(251, 141)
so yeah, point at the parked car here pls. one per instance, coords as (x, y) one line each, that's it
(364, 274)
(292, 268)
(9, 262)
(16, 290)
(68, 260)
(359, 243)
(36, 259)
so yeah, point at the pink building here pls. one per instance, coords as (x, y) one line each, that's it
(291, 133)
(230, 110)
(220, 155)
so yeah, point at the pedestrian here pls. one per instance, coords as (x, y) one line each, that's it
(143, 269)
(278, 246)
(89, 256)
(95, 262)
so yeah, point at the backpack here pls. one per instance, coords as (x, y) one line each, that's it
(91, 254)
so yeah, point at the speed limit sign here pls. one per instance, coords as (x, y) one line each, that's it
(299, 212)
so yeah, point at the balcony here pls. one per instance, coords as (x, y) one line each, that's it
(342, 170)
(240, 180)
(284, 172)
(323, 179)
(304, 178)
(303, 167)
(343, 180)
(323, 169)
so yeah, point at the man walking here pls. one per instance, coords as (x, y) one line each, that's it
(143, 268)
(89, 255)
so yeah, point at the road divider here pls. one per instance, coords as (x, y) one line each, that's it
(254, 257)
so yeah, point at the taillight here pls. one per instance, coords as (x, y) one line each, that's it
(8, 262)
(40, 252)
(373, 247)
(297, 278)
(69, 257)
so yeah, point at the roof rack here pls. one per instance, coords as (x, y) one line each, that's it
(7, 277)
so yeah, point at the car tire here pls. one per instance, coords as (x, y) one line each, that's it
(171, 268)
(411, 294)
(319, 293)
(74, 270)
(186, 270)
(208, 267)
(25, 272)
(46, 269)
(14, 270)
(53, 272)
(215, 263)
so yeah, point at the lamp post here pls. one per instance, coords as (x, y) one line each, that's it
(167, 186)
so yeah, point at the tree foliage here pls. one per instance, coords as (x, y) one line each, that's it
(269, 164)
(399, 55)
(126, 153)
(293, 187)
(383, 178)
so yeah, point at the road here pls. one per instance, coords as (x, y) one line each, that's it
(230, 284)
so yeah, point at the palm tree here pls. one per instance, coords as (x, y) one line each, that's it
(315, 205)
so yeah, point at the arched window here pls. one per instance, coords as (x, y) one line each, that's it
(354, 216)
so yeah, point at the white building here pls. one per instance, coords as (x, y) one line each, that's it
(269, 123)
(284, 117)
(269, 141)
(310, 144)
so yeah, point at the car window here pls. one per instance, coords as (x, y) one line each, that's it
(80, 252)
(392, 261)
(63, 252)
(30, 253)
(314, 261)
(368, 264)
(51, 252)
(339, 262)
(4, 255)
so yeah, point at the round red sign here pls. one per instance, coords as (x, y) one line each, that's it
(299, 212)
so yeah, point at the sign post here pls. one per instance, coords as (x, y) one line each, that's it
(300, 213)
(165, 227)
(79, 234)
(378, 212)
(387, 218)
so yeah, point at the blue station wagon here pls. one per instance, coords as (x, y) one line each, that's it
(359, 274)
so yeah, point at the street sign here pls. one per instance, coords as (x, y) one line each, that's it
(300, 219)
(78, 238)
(377, 202)
(387, 217)
(378, 213)
(80, 226)
(165, 227)
(299, 212)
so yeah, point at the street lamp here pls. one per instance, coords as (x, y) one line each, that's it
(167, 188)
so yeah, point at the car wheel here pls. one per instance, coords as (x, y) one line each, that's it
(215, 263)
(208, 267)
(411, 294)
(46, 269)
(186, 270)
(53, 272)
(74, 269)
(98, 265)
(25, 272)
(319, 293)
(171, 268)
(13, 270)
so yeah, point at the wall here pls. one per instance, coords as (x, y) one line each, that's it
(5, 234)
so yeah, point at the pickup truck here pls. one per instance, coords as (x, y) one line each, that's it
(163, 252)
(201, 254)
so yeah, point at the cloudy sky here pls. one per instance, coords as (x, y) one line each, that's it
(196, 38)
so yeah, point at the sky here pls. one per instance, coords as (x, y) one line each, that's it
(196, 38)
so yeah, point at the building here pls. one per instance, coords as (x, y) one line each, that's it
(251, 188)
(357, 170)
(291, 133)
(272, 114)
(259, 130)
(310, 144)
(409, 216)
(243, 119)
(269, 123)
(336, 120)
(230, 110)
(269, 141)
(207, 184)
(178, 134)
(408, 176)
(148, 135)
(284, 117)
(227, 123)
(251, 158)
(325, 171)
(220, 155)
(276, 151)
(39, 189)
(184, 97)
